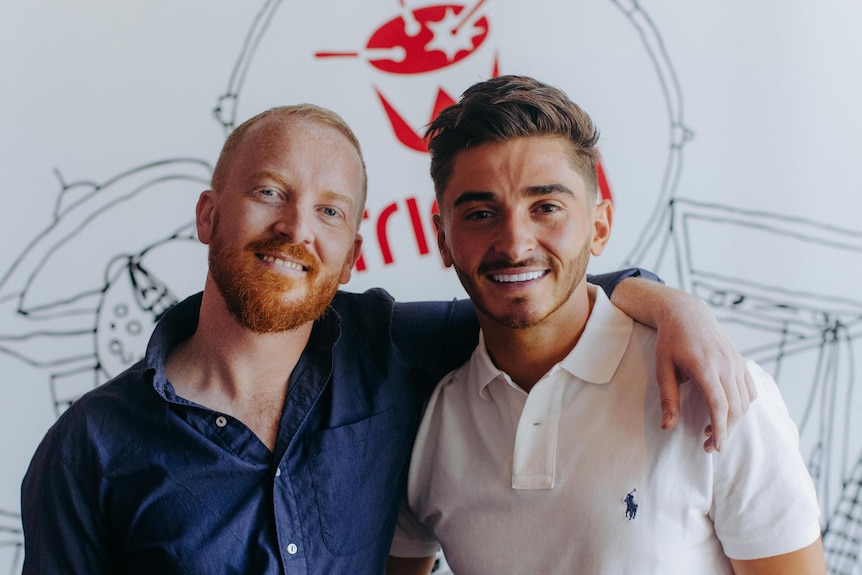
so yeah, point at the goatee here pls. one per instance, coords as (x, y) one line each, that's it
(256, 296)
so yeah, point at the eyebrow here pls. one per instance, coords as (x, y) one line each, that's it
(330, 195)
(468, 197)
(269, 174)
(549, 189)
(531, 191)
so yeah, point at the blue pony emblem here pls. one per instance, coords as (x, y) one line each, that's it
(631, 506)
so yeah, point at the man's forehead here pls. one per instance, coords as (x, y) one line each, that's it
(544, 158)
(526, 156)
(275, 135)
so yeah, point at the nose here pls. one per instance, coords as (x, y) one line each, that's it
(514, 238)
(294, 225)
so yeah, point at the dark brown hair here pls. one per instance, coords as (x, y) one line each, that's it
(510, 107)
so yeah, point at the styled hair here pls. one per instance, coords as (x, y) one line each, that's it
(308, 112)
(509, 107)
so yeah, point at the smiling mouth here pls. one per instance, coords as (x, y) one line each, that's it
(517, 278)
(282, 263)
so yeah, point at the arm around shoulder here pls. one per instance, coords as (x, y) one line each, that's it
(690, 345)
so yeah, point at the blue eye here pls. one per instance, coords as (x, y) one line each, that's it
(267, 192)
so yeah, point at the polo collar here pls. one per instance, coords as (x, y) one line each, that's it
(594, 359)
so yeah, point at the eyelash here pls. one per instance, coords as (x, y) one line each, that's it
(267, 193)
(482, 214)
(478, 215)
(553, 208)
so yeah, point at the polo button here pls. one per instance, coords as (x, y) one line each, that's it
(291, 549)
(221, 420)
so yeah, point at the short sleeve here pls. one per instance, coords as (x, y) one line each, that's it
(412, 539)
(764, 499)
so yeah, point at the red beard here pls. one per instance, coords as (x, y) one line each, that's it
(255, 295)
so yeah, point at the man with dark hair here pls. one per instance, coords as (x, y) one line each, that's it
(542, 454)
(268, 428)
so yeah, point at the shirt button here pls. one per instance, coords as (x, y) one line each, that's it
(278, 472)
(291, 549)
(221, 420)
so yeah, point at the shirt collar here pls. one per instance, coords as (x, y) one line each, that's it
(176, 325)
(180, 322)
(594, 359)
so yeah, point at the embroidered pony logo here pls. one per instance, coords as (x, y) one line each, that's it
(631, 506)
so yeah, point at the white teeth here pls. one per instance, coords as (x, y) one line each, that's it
(514, 278)
(281, 262)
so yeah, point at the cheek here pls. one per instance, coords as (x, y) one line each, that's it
(571, 236)
(466, 251)
(334, 246)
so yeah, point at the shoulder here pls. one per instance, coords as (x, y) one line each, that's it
(422, 322)
(99, 421)
(752, 515)
(374, 296)
(377, 300)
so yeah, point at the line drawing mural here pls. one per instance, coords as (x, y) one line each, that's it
(105, 313)
(794, 322)
(822, 322)
(83, 334)
(98, 320)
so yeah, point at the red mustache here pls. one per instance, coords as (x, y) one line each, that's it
(296, 252)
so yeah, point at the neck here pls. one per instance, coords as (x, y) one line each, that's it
(527, 354)
(233, 370)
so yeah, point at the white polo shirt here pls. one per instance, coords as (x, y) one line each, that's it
(510, 482)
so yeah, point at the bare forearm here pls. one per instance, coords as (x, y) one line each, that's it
(653, 304)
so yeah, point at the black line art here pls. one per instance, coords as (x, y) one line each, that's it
(11, 542)
(225, 110)
(794, 320)
(81, 336)
(114, 296)
(97, 322)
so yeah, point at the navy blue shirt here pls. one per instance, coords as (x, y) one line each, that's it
(135, 479)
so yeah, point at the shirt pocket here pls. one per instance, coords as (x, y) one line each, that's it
(355, 470)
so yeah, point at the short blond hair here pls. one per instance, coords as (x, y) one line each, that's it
(309, 112)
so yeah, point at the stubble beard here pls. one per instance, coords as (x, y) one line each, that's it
(255, 296)
(523, 313)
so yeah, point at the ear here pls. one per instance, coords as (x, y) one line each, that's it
(351, 260)
(441, 240)
(603, 215)
(205, 216)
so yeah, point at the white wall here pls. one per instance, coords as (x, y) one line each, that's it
(737, 122)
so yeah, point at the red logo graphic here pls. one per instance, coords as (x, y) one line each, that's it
(423, 40)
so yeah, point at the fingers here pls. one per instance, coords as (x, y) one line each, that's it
(708, 445)
(750, 387)
(727, 402)
(741, 392)
(720, 407)
(668, 388)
